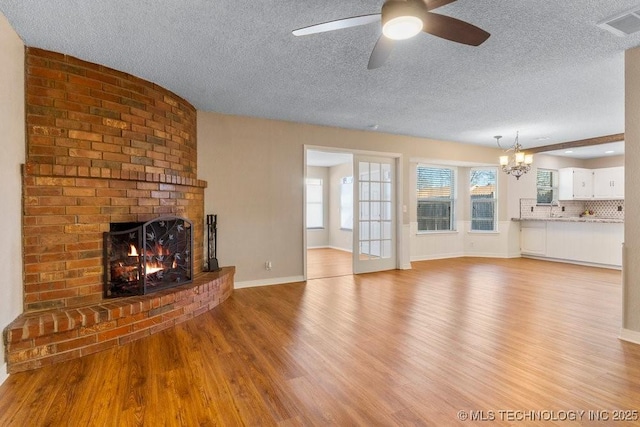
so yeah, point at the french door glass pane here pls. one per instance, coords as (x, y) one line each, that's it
(375, 172)
(364, 171)
(364, 191)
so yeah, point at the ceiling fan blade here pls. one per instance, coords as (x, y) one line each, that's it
(434, 4)
(380, 53)
(338, 24)
(453, 29)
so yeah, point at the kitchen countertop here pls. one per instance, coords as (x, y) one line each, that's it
(574, 219)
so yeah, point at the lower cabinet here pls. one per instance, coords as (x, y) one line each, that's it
(588, 242)
(533, 238)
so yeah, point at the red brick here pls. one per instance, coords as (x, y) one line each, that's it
(133, 337)
(90, 154)
(75, 344)
(89, 136)
(101, 346)
(84, 81)
(114, 333)
(46, 73)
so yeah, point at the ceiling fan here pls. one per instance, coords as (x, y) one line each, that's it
(403, 19)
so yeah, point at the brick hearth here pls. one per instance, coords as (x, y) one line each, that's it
(40, 339)
(102, 147)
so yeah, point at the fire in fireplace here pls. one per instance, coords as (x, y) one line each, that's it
(145, 257)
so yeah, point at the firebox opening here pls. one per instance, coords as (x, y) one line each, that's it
(145, 257)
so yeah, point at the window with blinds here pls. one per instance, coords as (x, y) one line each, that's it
(547, 187)
(436, 198)
(483, 194)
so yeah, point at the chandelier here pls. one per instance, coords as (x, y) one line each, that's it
(516, 163)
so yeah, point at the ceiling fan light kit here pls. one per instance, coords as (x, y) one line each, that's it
(401, 19)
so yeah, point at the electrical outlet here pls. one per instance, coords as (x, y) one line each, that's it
(619, 208)
(267, 265)
(531, 208)
(563, 209)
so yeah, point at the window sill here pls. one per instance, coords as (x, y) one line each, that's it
(428, 233)
(483, 232)
(315, 228)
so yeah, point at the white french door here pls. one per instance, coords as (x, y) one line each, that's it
(374, 225)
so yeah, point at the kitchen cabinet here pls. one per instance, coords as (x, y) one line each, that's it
(533, 238)
(575, 184)
(608, 183)
(597, 243)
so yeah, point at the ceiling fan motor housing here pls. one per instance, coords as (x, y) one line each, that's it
(409, 11)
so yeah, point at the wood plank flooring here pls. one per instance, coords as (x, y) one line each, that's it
(328, 262)
(408, 347)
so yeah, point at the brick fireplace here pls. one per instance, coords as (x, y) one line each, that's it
(103, 147)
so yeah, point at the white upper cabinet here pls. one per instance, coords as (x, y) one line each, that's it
(588, 184)
(608, 183)
(575, 184)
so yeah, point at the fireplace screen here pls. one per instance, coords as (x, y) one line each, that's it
(145, 257)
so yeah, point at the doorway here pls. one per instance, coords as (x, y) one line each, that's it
(351, 212)
(329, 213)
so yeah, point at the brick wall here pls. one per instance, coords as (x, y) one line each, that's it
(102, 146)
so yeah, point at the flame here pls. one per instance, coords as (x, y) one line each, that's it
(152, 267)
(158, 251)
(150, 270)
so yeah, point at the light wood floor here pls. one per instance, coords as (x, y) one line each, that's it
(408, 347)
(328, 262)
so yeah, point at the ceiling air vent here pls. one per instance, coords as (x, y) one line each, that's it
(623, 24)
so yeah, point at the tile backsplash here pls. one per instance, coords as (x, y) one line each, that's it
(601, 208)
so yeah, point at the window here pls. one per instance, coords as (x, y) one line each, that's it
(547, 187)
(346, 203)
(315, 209)
(436, 198)
(483, 193)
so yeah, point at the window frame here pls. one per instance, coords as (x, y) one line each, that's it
(451, 201)
(308, 183)
(493, 200)
(554, 188)
(346, 211)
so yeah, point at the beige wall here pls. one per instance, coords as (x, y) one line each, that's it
(604, 162)
(631, 266)
(12, 141)
(255, 170)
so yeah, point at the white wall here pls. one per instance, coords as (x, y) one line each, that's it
(12, 141)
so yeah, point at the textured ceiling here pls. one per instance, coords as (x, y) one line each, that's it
(547, 70)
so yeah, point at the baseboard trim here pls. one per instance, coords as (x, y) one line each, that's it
(569, 261)
(268, 282)
(3, 373)
(629, 336)
(330, 247)
(434, 257)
